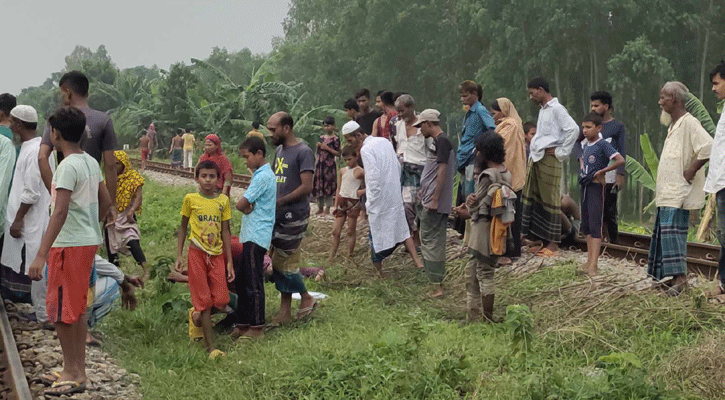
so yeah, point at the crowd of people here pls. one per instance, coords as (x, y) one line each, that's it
(57, 206)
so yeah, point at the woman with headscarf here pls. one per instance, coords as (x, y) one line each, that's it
(124, 236)
(510, 127)
(213, 152)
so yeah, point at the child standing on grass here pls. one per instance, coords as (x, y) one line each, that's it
(482, 210)
(78, 199)
(326, 168)
(210, 252)
(596, 154)
(347, 201)
(258, 203)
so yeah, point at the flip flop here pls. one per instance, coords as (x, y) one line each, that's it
(305, 313)
(216, 353)
(50, 378)
(73, 387)
(547, 253)
(195, 332)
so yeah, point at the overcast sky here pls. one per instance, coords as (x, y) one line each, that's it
(40, 33)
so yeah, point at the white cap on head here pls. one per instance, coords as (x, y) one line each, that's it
(427, 115)
(25, 113)
(350, 127)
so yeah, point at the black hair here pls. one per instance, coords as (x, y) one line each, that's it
(495, 106)
(255, 125)
(329, 120)
(76, 81)
(388, 98)
(253, 145)
(206, 164)
(491, 147)
(539, 82)
(179, 131)
(286, 120)
(594, 118)
(528, 125)
(7, 103)
(349, 151)
(70, 122)
(380, 92)
(188, 130)
(351, 104)
(471, 87)
(603, 96)
(719, 69)
(364, 92)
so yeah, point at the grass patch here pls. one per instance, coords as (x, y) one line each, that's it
(383, 339)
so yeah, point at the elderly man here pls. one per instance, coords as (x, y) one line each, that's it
(412, 154)
(679, 188)
(716, 175)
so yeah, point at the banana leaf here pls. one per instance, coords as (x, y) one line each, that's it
(637, 171)
(695, 107)
(650, 157)
(649, 206)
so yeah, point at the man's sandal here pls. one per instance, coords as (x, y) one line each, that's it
(306, 312)
(547, 253)
(72, 388)
(50, 378)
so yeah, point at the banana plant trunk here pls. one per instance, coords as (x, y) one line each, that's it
(707, 218)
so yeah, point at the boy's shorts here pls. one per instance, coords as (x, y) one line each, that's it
(69, 271)
(144, 154)
(592, 210)
(207, 280)
(348, 208)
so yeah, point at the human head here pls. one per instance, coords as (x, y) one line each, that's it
(353, 134)
(717, 78)
(212, 144)
(349, 153)
(529, 131)
(496, 112)
(206, 175)
(7, 103)
(255, 125)
(188, 130)
(387, 99)
(538, 90)
(405, 106)
(73, 87)
(673, 97)
(67, 124)
(429, 122)
(490, 148)
(122, 161)
(471, 92)
(601, 103)
(281, 126)
(378, 102)
(179, 132)
(351, 108)
(254, 151)
(592, 126)
(328, 124)
(23, 119)
(363, 100)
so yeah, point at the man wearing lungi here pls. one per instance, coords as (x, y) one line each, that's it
(680, 183)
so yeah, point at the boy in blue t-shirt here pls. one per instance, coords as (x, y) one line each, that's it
(595, 162)
(258, 203)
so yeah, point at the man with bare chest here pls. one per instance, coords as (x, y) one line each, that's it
(177, 149)
(143, 144)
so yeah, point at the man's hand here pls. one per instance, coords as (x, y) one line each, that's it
(128, 299)
(230, 272)
(35, 272)
(177, 265)
(130, 215)
(689, 174)
(598, 177)
(16, 229)
(433, 205)
(462, 212)
(135, 281)
(111, 215)
(620, 182)
(471, 200)
(550, 151)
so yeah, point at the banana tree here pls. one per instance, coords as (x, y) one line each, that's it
(641, 174)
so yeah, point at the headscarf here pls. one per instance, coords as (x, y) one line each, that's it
(128, 181)
(221, 160)
(512, 131)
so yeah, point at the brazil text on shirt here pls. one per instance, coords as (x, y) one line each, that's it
(212, 218)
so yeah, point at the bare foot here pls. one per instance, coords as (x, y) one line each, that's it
(239, 331)
(253, 333)
(320, 276)
(435, 291)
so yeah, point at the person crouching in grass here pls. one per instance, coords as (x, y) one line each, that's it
(69, 247)
(258, 203)
(210, 253)
(595, 162)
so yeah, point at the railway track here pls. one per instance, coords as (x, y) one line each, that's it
(13, 384)
(238, 180)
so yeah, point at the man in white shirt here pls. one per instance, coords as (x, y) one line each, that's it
(556, 133)
(384, 201)
(679, 188)
(27, 214)
(715, 182)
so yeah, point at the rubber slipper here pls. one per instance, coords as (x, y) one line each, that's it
(50, 378)
(73, 387)
(216, 353)
(195, 332)
(547, 253)
(306, 312)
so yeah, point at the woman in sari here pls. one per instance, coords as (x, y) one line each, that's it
(510, 127)
(213, 152)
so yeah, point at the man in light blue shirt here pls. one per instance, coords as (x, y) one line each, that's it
(258, 203)
(556, 133)
(7, 163)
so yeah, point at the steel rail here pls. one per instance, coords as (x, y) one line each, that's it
(13, 373)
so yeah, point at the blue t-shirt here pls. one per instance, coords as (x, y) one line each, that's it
(262, 193)
(595, 156)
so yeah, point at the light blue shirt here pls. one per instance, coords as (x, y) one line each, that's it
(262, 193)
(7, 164)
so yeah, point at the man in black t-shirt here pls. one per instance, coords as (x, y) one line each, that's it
(366, 117)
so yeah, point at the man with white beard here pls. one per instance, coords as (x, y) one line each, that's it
(680, 183)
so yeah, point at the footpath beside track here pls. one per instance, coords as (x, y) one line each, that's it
(238, 180)
(13, 384)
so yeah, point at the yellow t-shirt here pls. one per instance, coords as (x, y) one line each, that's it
(255, 133)
(188, 141)
(205, 219)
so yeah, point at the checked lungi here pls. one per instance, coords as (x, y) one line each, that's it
(410, 184)
(668, 248)
(289, 229)
(542, 199)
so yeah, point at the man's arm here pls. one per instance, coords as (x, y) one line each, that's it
(570, 131)
(180, 242)
(46, 173)
(440, 180)
(60, 213)
(227, 242)
(702, 146)
(16, 229)
(302, 191)
(109, 169)
(244, 205)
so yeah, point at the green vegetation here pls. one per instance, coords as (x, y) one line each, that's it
(382, 338)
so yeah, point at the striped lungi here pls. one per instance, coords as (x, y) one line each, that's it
(542, 200)
(289, 230)
(668, 248)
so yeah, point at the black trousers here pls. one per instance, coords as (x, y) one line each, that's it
(513, 247)
(134, 246)
(249, 282)
(610, 212)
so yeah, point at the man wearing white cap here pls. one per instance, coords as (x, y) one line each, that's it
(27, 214)
(384, 199)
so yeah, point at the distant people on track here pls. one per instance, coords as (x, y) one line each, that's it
(384, 125)
(153, 139)
(255, 131)
(213, 152)
(556, 133)
(594, 165)
(325, 179)
(177, 149)
(347, 199)
(412, 153)
(144, 143)
(680, 183)
(715, 182)
(294, 165)
(188, 139)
